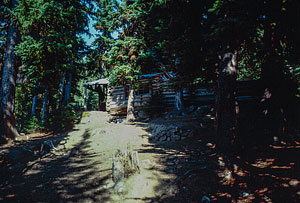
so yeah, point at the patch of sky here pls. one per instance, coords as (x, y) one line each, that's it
(93, 33)
(90, 38)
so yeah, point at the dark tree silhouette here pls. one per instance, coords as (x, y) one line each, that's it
(8, 87)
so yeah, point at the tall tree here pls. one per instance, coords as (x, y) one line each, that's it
(125, 55)
(45, 106)
(227, 108)
(229, 28)
(175, 33)
(51, 44)
(8, 85)
(3, 31)
(280, 47)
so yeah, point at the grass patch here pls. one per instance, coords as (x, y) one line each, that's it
(85, 114)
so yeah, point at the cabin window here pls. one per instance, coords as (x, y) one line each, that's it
(143, 90)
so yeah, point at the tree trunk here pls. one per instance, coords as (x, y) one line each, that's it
(44, 106)
(130, 106)
(34, 100)
(179, 105)
(68, 89)
(85, 99)
(8, 87)
(227, 109)
(279, 104)
(61, 89)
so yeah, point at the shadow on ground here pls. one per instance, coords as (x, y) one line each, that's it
(259, 172)
(69, 176)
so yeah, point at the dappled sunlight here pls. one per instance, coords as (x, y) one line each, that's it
(263, 163)
(70, 174)
(268, 175)
(183, 164)
(149, 101)
(80, 168)
(263, 173)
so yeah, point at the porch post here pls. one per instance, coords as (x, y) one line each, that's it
(85, 98)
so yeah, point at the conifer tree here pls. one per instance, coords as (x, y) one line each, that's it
(3, 31)
(8, 85)
(51, 47)
(124, 55)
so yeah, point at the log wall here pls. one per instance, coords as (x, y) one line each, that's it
(117, 97)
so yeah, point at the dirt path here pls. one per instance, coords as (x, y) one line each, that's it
(186, 170)
(99, 140)
(79, 170)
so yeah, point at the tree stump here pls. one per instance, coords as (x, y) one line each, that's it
(125, 163)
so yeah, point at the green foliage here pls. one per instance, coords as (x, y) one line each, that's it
(92, 101)
(297, 78)
(142, 36)
(128, 56)
(32, 125)
(22, 106)
(64, 118)
(4, 17)
(51, 47)
(178, 35)
(249, 65)
(50, 44)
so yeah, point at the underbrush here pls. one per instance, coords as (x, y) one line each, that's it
(61, 119)
(64, 118)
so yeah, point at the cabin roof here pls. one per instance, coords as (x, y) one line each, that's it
(168, 74)
(97, 82)
(145, 76)
(149, 75)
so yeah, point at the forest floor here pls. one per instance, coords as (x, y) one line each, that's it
(79, 169)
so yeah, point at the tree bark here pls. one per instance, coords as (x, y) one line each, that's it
(227, 109)
(130, 106)
(34, 100)
(279, 104)
(179, 105)
(68, 89)
(44, 106)
(8, 86)
(61, 89)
